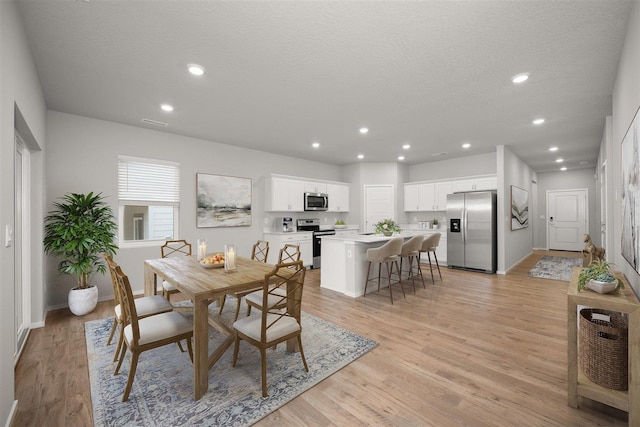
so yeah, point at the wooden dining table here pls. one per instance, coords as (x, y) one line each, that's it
(203, 286)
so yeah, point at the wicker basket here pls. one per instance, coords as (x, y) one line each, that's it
(603, 348)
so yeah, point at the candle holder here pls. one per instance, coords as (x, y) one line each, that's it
(229, 258)
(202, 249)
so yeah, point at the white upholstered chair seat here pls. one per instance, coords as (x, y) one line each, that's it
(277, 297)
(251, 326)
(147, 306)
(160, 327)
(168, 287)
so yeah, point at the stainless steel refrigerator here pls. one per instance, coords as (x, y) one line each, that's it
(472, 231)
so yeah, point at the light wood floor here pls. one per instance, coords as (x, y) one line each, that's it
(474, 350)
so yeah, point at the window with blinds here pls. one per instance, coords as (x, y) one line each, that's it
(149, 199)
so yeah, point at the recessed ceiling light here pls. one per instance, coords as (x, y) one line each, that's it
(406, 146)
(315, 145)
(466, 145)
(166, 107)
(400, 157)
(553, 149)
(520, 78)
(538, 121)
(364, 130)
(559, 160)
(195, 69)
(361, 156)
(564, 168)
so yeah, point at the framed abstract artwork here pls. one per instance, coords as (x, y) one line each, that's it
(222, 201)
(631, 195)
(519, 208)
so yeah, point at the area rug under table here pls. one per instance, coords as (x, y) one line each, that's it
(162, 393)
(555, 267)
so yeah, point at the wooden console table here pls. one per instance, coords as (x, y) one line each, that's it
(578, 383)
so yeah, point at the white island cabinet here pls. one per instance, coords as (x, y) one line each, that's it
(344, 260)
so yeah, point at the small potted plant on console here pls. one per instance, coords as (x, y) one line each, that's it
(597, 277)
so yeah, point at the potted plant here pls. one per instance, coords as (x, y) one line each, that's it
(435, 223)
(79, 230)
(597, 277)
(387, 227)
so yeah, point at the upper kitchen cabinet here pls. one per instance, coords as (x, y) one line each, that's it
(315, 187)
(284, 195)
(426, 196)
(476, 184)
(338, 197)
(419, 197)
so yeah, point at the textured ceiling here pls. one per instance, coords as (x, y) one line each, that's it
(283, 74)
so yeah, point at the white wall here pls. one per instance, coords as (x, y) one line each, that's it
(481, 164)
(82, 156)
(626, 100)
(513, 245)
(19, 91)
(567, 180)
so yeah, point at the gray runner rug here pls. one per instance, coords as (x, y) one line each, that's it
(555, 267)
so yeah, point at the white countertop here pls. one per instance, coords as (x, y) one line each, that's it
(375, 238)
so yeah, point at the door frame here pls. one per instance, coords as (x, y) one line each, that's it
(21, 249)
(586, 210)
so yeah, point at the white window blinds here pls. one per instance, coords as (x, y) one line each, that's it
(148, 180)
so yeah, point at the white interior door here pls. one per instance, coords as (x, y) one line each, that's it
(378, 205)
(567, 219)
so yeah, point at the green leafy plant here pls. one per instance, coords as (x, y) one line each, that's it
(435, 221)
(340, 222)
(80, 229)
(387, 226)
(600, 271)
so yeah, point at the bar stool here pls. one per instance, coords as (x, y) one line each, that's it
(429, 245)
(387, 254)
(411, 251)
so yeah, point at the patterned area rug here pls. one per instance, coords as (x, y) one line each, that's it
(162, 393)
(555, 267)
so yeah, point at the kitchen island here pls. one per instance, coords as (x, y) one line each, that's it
(344, 260)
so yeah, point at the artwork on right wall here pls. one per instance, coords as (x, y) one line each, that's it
(630, 196)
(519, 208)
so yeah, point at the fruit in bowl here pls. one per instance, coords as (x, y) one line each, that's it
(213, 260)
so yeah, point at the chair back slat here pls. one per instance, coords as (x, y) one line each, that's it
(289, 254)
(127, 303)
(260, 251)
(175, 247)
(274, 284)
(111, 264)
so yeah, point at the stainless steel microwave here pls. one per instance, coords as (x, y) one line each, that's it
(316, 202)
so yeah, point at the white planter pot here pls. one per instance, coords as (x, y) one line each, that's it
(602, 287)
(83, 301)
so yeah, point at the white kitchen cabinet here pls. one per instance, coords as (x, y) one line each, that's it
(442, 189)
(284, 195)
(475, 184)
(419, 197)
(338, 197)
(315, 187)
(302, 238)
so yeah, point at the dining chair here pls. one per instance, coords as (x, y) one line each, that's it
(386, 254)
(259, 252)
(272, 326)
(429, 246)
(145, 306)
(411, 251)
(147, 333)
(289, 254)
(173, 248)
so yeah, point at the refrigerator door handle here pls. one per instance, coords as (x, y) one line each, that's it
(464, 225)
